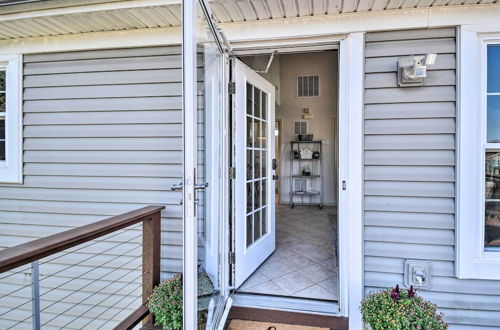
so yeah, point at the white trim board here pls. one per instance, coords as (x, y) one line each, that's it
(331, 25)
(472, 260)
(94, 40)
(350, 212)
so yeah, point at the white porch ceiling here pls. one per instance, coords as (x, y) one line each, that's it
(250, 10)
(113, 15)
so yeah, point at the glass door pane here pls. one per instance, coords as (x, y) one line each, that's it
(212, 160)
(257, 158)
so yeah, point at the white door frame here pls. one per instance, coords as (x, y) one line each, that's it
(350, 213)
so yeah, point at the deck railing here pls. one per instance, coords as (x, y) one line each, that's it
(95, 276)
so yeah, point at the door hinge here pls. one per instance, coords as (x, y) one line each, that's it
(344, 185)
(232, 173)
(232, 258)
(231, 87)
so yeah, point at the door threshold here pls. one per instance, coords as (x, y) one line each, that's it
(290, 304)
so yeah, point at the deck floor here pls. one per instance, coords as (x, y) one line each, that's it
(303, 264)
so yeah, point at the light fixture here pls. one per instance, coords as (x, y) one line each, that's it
(412, 70)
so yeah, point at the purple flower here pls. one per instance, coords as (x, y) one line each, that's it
(395, 293)
(411, 292)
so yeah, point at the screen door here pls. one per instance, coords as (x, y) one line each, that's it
(254, 209)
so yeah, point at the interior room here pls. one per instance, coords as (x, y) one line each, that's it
(305, 261)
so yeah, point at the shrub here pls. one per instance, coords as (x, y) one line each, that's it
(166, 303)
(395, 309)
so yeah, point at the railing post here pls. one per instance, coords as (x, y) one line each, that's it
(35, 294)
(151, 242)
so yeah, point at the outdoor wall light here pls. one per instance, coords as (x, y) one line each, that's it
(412, 70)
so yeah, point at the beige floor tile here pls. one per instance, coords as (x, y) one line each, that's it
(316, 292)
(316, 272)
(293, 282)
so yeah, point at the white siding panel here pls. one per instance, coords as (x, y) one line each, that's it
(409, 220)
(410, 157)
(410, 94)
(410, 110)
(410, 173)
(390, 64)
(409, 142)
(98, 170)
(408, 47)
(407, 251)
(409, 190)
(104, 104)
(409, 235)
(409, 126)
(149, 143)
(97, 117)
(409, 204)
(110, 64)
(70, 131)
(102, 136)
(434, 78)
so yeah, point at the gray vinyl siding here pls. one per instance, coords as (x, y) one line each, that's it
(409, 173)
(102, 136)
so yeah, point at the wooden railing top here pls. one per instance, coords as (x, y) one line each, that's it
(22, 254)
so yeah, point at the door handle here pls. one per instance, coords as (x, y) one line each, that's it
(275, 177)
(275, 164)
(180, 186)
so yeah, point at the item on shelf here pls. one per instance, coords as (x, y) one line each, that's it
(305, 137)
(296, 154)
(316, 155)
(306, 170)
(306, 154)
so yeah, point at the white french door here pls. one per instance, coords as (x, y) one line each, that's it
(254, 208)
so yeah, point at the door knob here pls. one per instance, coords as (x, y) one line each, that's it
(275, 177)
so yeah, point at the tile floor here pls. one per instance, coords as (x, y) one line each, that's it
(303, 264)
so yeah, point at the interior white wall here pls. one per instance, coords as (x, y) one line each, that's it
(323, 109)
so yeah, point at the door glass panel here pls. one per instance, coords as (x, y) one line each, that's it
(249, 229)
(256, 102)
(250, 131)
(264, 106)
(256, 196)
(256, 164)
(263, 133)
(264, 163)
(257, 157)
(256, 226)
(256, 133)
(264, 192)
(249, 99)
(249, 197)
(210, 212)
(264, 221)
(250, 164)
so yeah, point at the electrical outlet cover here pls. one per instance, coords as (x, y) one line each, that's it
(410, 266)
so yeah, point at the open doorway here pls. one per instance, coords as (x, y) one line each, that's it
(304, 263)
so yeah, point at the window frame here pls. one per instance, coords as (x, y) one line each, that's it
(473, 261)
(11, 168)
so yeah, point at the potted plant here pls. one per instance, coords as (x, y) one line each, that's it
(396, 309)
(166, 303)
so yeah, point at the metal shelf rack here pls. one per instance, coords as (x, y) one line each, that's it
(315, 196)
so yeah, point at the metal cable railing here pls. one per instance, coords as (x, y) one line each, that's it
(91, 277)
